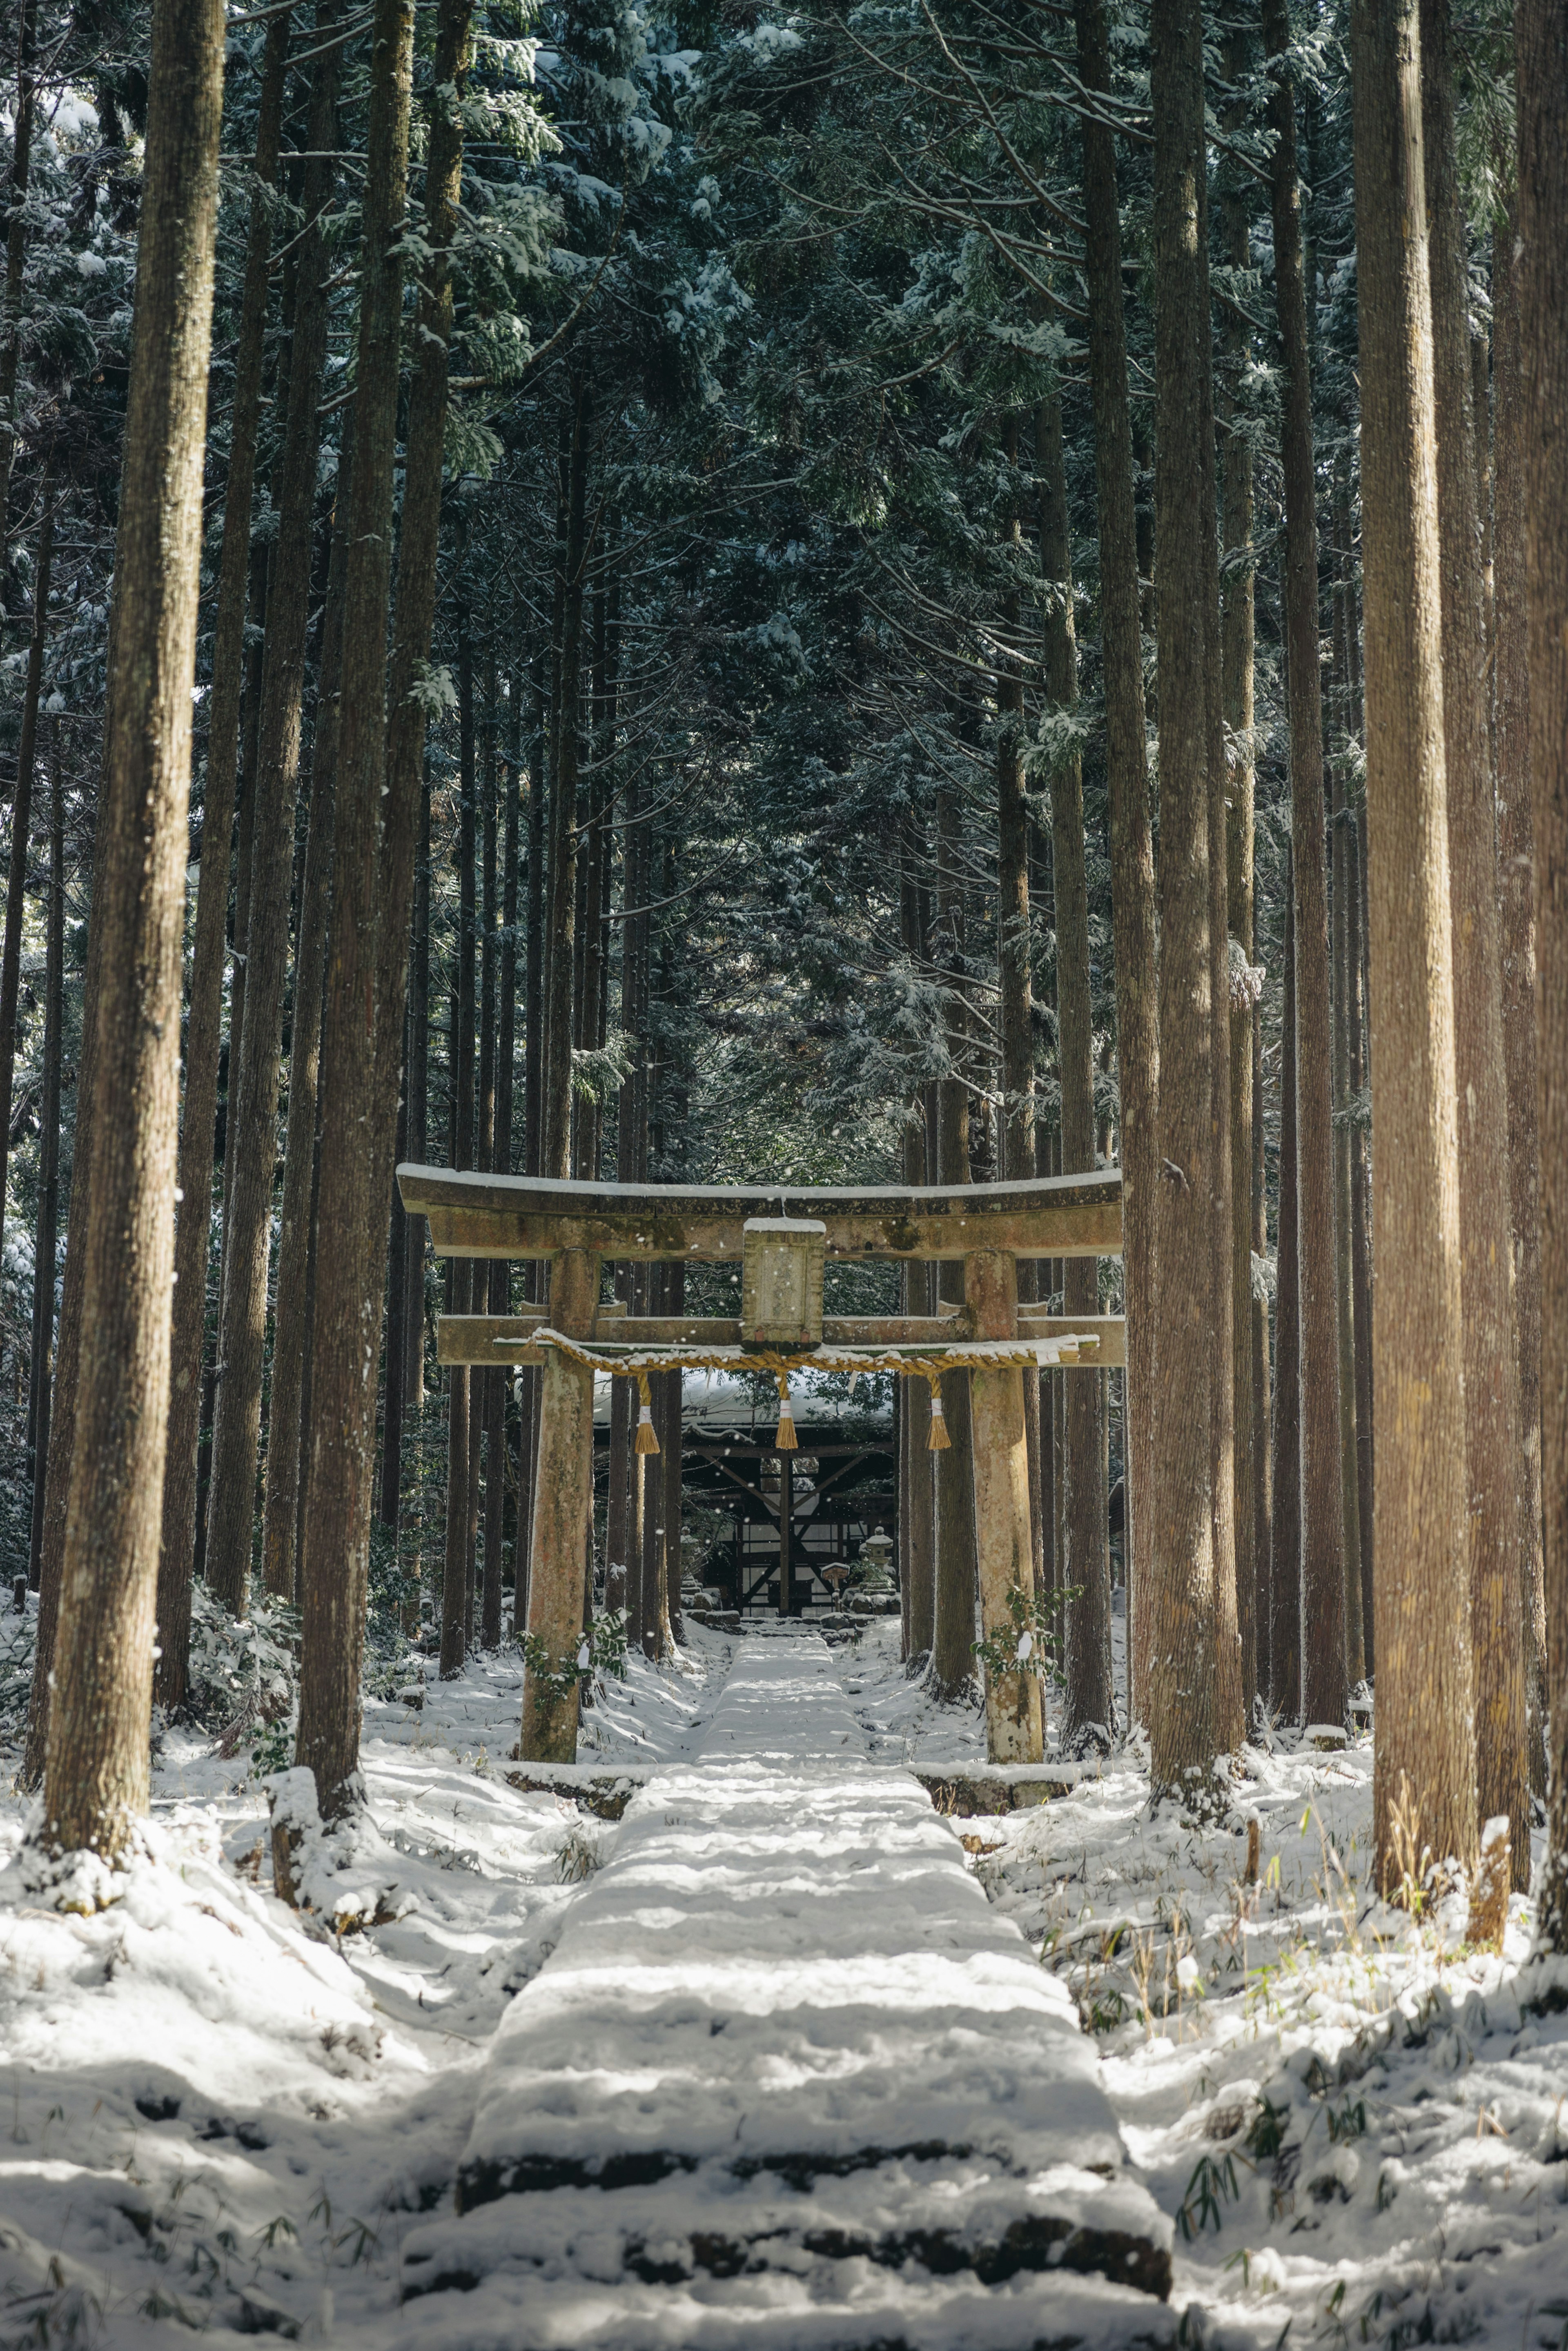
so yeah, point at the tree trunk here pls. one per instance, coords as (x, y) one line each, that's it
(1090, 1711)
(1516, 868)
(454, 1570)
(419, 1096)
(1492, 1438)
(670, 1440)
(21, 827)
(501, 1159)
(47, 1232)
(249, 735)
(1264, 1487)
(919, 1533)
(1132, 852)
(290, 1335)
(563, 800)
(1229, 1703)
(1237, 631)
(62, 1419)
(334, 1564)
(1285, 1545)
(952, 1661)
(1343, 870)
(1015, 951)
(98, 1772)
(1541, 83)
(1181, 1629)
(204, 1039)
(1426, 1714)
(1324, 1688)
(253, 1095)
(394, 1350)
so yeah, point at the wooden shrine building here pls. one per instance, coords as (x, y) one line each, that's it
(781, 1237)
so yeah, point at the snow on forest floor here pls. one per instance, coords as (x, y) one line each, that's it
(216, 2116)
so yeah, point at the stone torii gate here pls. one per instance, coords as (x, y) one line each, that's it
(781, 1236)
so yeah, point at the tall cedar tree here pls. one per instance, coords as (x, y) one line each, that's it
(335, 1560)
(296, 1223)
(1089, 1714)
(1491, 1365)
(1324, 1658)
(1541, 81)
(1516, 877)
(1132, 850)
(1238, 635)
(1182, 1614)
(203, 1036)
(1425, 1726)
(97, 1779)
(254, 1083)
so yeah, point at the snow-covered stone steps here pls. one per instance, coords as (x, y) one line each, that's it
(789, 2076)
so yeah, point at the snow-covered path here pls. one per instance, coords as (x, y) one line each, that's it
(788, 2078)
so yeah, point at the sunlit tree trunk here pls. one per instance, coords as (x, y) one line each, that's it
(1541, 85)
(1285, 1536)
(1132, 852)
(96, 1779)
(1237, 642)
(254, 1083)
(1324, 1658)
(1090, 1707)
(351, 1210)
(1183, 1724)
(1492, 1440)
(1516, 894)
(1425, 1724)
(286, 1423)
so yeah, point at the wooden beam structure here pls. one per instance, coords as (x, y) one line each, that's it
(509, 1338)
(527, 1217)
(987, 1226)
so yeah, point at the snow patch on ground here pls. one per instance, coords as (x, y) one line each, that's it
(214, 2115)
(1358, 2133)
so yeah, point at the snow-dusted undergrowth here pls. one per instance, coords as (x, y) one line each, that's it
(1354, 2127)
(216, 2116)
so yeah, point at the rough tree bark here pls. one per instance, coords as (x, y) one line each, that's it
(46, 1231)
(1132, 850)
(1181, 1625)
(1285, 1535)
(1492, 1439)
(1263, 1488)
(253, 1086)
(1013, 917)
(96, 1779)
(22, 825)
(563, 798)
(952, 1663)
(1238, 632)
(1425, 1729)
(1324, 1689)
(296, 1218)
(917, 1488)
(1541, 84)
(335, 1560)
(1341, 868)
(1516, 886)
(203, 1036)
(1090, 1707)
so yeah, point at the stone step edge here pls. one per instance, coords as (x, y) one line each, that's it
(606, 1790)
(1036, 2242)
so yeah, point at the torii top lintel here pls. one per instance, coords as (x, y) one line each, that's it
(482, 1215)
